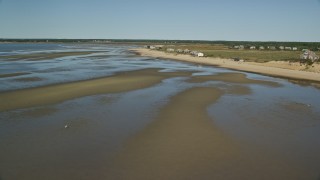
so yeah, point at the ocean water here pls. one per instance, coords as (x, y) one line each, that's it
(283, 121)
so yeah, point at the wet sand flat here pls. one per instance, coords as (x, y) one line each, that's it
(183, 143)
(121, 82)
(44, 56)
(125, 116)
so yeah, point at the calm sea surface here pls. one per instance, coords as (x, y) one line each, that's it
(284, 121)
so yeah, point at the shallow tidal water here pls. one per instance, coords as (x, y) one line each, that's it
(189, 122)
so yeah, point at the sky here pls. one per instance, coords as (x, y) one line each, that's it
(236, 20)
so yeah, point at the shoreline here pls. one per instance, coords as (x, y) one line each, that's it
(263, 69)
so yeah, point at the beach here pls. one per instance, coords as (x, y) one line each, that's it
(275, 69)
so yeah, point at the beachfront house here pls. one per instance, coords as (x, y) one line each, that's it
(152, 47)
(186, 51)
(179, 51)
(309, 55)
(194, 53)
(200, 54)
(261, 48)
(159, 47)
(170, 50)
(272, 48)
(239, 47)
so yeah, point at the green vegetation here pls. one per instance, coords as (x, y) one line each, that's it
(222, 51)
(255, 55)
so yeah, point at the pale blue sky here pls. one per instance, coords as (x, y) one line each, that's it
(254, 20)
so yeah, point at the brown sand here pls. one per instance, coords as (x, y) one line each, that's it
(183, 144)
(121, 82)
(278, 69)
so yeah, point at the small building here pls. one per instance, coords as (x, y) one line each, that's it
(152, 47)
(261, 48)
(200, 54)
(252, 47)
(272, 48)
(170, 50)
(239, 47)
(294, 49)
(281, 47)
(158, 47)
(186, 51)
(194, 53)
(309, 55)
(288, 48)
(179, 50)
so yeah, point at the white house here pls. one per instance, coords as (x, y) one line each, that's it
(261, 48)
(170, 50)
(152, 47)
(272, 47)
(294, 49)
(252, 47)
(288, 48)
(179, 51)
(200, 54)
(186, 51)
(194, 53)
(281, 47)
(309, 55)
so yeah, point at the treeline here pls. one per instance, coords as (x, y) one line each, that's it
(300, 45)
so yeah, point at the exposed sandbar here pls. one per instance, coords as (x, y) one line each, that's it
(238, 78)
(260, 68)
(183, 143)
(125, 81)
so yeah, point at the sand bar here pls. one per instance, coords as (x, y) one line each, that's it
(260, 68)
(121, 82)
(183, 143)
